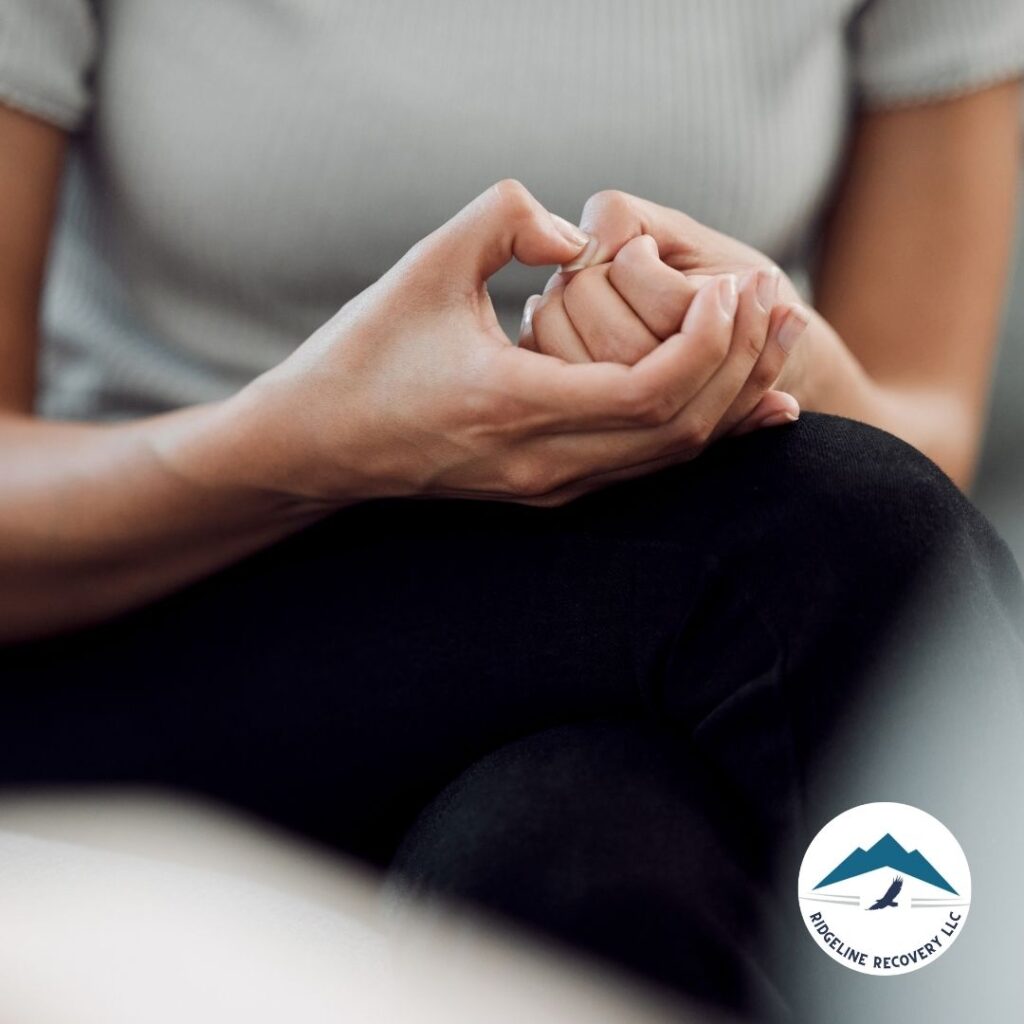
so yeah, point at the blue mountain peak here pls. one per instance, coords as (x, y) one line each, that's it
(886, 853)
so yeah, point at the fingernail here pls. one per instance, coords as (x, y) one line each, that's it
(584, 259)
(526, 324)
(570, 232)
(728, 295)
(793, 327)
(767, 287)
(778, 419)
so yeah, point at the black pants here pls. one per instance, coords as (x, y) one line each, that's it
(607, 720)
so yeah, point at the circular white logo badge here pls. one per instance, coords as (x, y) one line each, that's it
(884, 889)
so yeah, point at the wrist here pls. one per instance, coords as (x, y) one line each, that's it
(230, 454)
(824, 376)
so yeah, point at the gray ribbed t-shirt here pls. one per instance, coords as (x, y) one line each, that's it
(238, 170)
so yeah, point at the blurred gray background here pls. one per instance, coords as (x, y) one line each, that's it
(999, 488)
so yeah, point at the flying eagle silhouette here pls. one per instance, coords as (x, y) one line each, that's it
(889, 899)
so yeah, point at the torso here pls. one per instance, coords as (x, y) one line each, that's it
(252, 164)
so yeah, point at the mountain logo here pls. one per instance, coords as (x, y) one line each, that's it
(884, 857)
(886, 853)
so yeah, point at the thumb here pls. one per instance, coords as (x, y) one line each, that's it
(503, 223)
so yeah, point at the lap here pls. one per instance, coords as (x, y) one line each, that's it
(337, 680)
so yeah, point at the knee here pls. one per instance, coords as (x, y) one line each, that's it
(825, 496)
(541, 826)
(511, 831)
(870, 476)
(868, 500)
(602, 835)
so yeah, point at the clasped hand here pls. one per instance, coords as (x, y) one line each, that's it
(641, 352)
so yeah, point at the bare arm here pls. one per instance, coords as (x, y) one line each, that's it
(410, 389)
(911, 277)
(92, 519)
(913, 273)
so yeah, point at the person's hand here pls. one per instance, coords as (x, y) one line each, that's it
(623, 310)
(413, 389)
(613, 219)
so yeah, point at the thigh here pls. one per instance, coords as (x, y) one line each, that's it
(338, 680)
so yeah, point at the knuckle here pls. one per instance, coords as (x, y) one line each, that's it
(633, 254)
(609, 200)
(513, 196)
(696, 430)
(636, 400)
(764, 374)
(752, 344)
(624, 261)
(650, 406)
(663, 409)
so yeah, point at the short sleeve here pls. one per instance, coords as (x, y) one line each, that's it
(47, 50)
(907, 51)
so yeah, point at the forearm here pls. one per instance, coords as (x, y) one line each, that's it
(98, 519)
(913, 270)
(938, 422)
